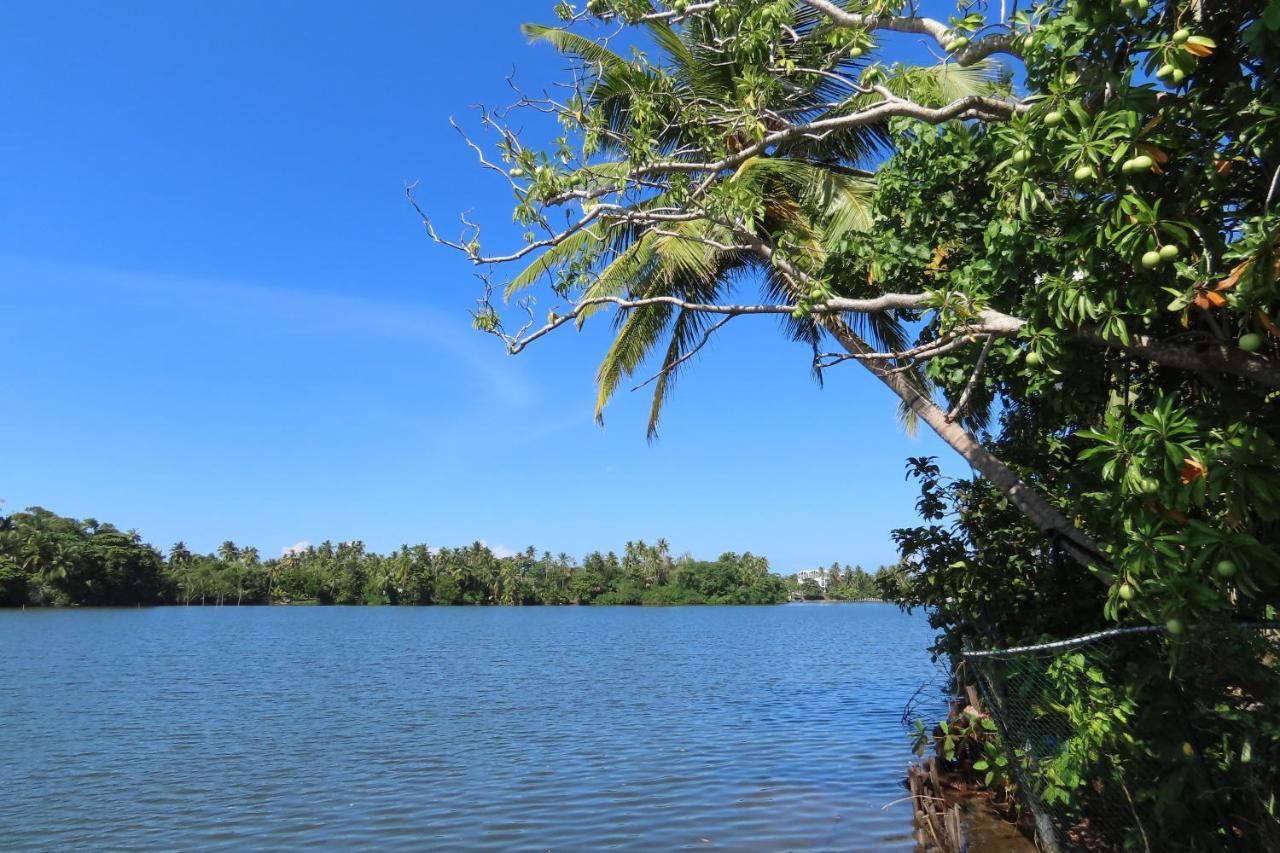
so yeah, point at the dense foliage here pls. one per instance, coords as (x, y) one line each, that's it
(840, 583)
(48, 559)
(1139, 208)
(1066, 267)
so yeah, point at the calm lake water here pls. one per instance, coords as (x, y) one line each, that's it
(766, 728)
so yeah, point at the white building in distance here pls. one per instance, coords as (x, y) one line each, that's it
(818, 576)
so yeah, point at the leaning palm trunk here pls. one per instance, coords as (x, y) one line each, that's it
(1044, 515)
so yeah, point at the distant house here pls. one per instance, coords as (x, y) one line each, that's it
(818, 576)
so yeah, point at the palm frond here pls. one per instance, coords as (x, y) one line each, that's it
(572, 247)
(686, 334)
(570, 43)
(935, 85)
(636, 338)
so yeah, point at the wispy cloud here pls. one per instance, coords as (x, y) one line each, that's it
(296, 312)
(298, 548)
(499, 550)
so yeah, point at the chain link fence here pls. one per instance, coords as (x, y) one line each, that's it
(1133, 739)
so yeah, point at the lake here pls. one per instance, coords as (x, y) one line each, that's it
(572, 728)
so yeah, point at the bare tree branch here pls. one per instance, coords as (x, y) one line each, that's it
(706, 336)
(938, 31)
(958, 409)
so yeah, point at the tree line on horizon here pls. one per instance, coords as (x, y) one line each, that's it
(51, 560)
(845, 583)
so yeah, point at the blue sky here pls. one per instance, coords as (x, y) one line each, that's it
(221, 319)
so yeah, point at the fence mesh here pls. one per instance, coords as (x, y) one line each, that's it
(1138, 740)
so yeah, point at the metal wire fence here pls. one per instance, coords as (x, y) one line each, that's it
(1137, 740)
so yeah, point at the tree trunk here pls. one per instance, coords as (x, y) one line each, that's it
(1033, 505)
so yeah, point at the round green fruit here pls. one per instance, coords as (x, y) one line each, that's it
(855, 52)
(1142, 163)
(1126, 592)
(1151, 260)
(1149, 485)
(1034, 359)
(1226, 569)
(1179, 75)
(1021, 156)
(1174, 626)
(1084, 173)
(1181, 36)
(1251, 342)
(1168, 252)
(1053, 118)
(798, 314)
(957, 44)
(1165, 71)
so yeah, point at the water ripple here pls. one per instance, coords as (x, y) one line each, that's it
(479, 729)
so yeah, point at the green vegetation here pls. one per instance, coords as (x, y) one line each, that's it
(48, 559)
(840, 583)
(1065, 266)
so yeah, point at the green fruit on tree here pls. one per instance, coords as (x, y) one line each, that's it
(1126, 592)
(1151, 260)
(1179, 75)
(1142, 163)
(1226, 569)
(1084, 173)
(1168, 252)
(1181, 36)
(1021, 156)
(1149, 485)
(816, 295)
(855, 52)
(1174, 626)
(1053, 118)
(957, 44)
(1142, 6)
(1252, 342)
(517, 172)
(798, 314)
(1165, 71)
(1188, 750)
(1034, 359)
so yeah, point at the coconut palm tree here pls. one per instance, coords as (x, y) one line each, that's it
(807, 197)
(228, 552)
(774, 218)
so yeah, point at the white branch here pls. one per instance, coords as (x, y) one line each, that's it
(938, 31)
(972, 384)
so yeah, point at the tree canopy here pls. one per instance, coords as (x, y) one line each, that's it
(48, 559)
(1057, 245)
(1088, 242)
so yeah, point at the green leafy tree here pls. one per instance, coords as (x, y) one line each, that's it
(1067, 270)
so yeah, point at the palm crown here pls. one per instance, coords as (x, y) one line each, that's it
(693, 99)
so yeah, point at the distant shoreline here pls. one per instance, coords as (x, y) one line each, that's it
(839, 601)
(318, 604)
(325, 606)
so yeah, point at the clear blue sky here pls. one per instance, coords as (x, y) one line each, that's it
(221, 319)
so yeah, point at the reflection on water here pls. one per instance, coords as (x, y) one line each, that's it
(488, 728)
